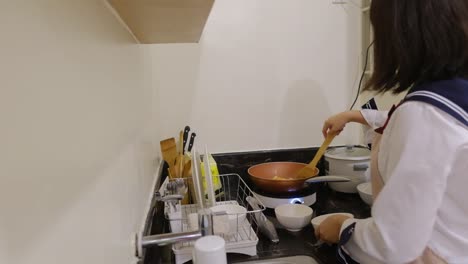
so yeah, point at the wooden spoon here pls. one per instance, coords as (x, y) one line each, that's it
(169, 152)
(180, 145)
(180, 162)
(177, 167)
(311, 169)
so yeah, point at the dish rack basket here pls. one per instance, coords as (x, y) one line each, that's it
(232, 190)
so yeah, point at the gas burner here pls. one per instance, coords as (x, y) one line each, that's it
(306, 196)
(273, 202)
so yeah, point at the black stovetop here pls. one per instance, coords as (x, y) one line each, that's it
(299, 243)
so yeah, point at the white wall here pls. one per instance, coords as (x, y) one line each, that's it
(77, 136)
(265, 75)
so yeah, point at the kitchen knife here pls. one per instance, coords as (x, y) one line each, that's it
(192, 139)
(185, 137)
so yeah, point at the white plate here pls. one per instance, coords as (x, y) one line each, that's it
(318, 220)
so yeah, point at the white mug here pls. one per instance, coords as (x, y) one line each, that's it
(209, 250)
(193, 221)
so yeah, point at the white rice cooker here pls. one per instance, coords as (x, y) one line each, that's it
(351, 162)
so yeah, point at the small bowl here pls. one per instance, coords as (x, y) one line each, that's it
(293, 216)
(225, 224)
(365, 192)
(319, 219)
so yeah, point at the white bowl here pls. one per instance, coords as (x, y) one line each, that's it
(293, 216)
(225, 224)
(365, 191)
(319, 219)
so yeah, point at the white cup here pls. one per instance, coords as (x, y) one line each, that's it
(221, 225)
(193, 221)
(210, 250)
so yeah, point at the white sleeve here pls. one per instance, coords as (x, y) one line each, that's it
(415, 159)
(375, 119)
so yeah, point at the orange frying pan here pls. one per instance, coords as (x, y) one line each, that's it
(278, 177)
(281, 177)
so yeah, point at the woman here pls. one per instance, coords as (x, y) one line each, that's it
(420, 155)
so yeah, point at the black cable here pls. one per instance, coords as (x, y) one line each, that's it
(362, 76)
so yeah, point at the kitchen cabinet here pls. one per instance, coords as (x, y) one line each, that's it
(164, 21)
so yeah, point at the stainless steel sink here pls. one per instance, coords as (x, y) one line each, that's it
(302, 259)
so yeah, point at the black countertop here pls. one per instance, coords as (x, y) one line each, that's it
(304, 242)
(291, 243)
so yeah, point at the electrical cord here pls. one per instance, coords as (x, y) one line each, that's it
(362, 76)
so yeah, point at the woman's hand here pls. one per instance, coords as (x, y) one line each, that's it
(337, 123)
(329, 229)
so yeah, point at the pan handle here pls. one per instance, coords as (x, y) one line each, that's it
(320, 179)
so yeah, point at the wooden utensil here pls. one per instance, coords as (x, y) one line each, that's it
(180, 144)
(187, 173)
(169, 152)
(179, 162)
(311, 168)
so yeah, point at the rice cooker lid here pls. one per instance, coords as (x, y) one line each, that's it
(348, 153)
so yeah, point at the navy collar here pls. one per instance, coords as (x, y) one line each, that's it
(451, 96)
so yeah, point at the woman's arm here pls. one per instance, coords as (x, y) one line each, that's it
(336, 123)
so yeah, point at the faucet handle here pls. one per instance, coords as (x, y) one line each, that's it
(168, 198)
(173, 197)
(157, 196)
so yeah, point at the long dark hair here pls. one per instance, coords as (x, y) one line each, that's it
(418, 41)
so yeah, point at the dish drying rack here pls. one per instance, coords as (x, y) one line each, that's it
(233, 190)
